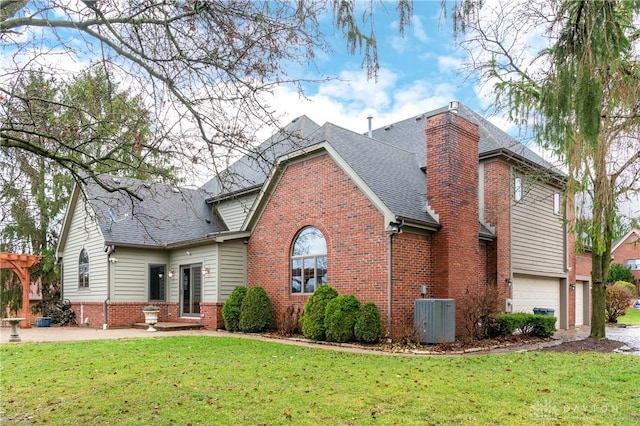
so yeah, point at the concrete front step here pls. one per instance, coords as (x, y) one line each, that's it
(170, 326)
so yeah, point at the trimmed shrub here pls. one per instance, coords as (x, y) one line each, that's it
(628, 286)
(290, 320)
(527, 324)
(542, 325)
(313, 317)
(511, 323)
(231, 309)
(256, 311)
(616, 302)
(368, 327)
(340, 318)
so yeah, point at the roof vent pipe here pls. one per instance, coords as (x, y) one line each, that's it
(453, 106)
(369, 118)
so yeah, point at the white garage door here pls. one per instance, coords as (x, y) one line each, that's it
(536, 292)
(579, 303)
(582, 300)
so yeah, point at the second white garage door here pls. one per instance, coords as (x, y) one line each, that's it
(536, 292)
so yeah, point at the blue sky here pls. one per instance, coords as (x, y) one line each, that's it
(418, 72)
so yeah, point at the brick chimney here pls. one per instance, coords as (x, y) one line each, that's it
(452, 192)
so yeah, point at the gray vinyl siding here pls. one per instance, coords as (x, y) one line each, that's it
(537, 233)
(235, 210)
(130, 274)
(206, 256)
(84, 233)
(232, 268)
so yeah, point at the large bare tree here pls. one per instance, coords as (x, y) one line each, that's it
(570, 69)
(204, 69)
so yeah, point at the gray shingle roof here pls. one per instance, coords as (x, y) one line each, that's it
(166, 215)
(389, 163)
(253, 168)
(392, 173)
(410, 135)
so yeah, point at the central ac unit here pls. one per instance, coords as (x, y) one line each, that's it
(435, 320)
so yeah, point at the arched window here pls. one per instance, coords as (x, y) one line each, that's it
(308, 261)
(83, 269)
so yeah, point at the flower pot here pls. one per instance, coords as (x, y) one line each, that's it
(151, 318)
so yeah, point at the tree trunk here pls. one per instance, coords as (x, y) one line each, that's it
(599, 268)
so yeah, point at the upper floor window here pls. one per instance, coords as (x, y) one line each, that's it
(556, 203)
(633, 264)
(83, 269)
(517, 189)
(308, 261)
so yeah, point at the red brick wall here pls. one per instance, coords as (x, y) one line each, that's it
(211, 315)
(452, 192)
(93, 311)
(497, 214)
(412, 269)
(629, 249)
(484, 262)
(583, 264)
(317, 192)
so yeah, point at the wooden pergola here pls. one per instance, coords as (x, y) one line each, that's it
(21, 264)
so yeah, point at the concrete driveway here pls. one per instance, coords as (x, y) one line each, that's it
(630, 335)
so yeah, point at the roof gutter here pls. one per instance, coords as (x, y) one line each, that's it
(510, 155)
(233, 194)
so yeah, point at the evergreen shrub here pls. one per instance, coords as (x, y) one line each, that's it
(231, 309)
(256, 311)
(313, 317)
(527, 324)
(368, 326)
(340, 318)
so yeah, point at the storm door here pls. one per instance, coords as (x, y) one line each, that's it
(190, 290)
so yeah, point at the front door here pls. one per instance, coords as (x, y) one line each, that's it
(190, 290)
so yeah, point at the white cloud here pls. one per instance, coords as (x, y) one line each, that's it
(348, 103)
(418, 29)
(448, 64)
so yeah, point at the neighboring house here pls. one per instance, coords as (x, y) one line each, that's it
(626, 251)
(430, 207)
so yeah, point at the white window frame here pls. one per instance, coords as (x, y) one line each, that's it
(83, 269)
(517, 189)
(556, 203)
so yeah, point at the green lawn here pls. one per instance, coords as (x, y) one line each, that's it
(631, 317)
(211, 380)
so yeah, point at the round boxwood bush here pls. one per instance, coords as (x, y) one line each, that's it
(256, 311)
(231, 309)
(368, 327)
(340, 318)
(313, 317)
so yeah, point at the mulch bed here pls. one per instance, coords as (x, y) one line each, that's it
(470, 346)
(589, 344)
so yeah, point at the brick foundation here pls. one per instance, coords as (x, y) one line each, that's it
(125, 314)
